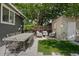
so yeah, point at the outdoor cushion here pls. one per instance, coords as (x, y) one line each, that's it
(45, 33)
(38, 33)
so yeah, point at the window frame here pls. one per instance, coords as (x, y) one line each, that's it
(10, 10)
(13, 16)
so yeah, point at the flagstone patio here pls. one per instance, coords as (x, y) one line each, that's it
(30, 51)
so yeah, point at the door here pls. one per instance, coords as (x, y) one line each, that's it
(71, 30)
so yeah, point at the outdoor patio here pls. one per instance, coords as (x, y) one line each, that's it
(30, 51)
(43, 46)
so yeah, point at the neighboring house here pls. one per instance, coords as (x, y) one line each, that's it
(66, 28)
(11, 20)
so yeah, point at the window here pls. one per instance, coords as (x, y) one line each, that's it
(7, 15)
(11, 17)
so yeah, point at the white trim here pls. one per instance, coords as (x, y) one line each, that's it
(3, 5)
(17, 10)
(9, 16)
(1, 12)
(14, 17)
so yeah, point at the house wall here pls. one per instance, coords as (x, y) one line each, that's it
(77, 29)
(77, 24)
(62, 25)
(71, 28)
(7, 28)
(59, 26)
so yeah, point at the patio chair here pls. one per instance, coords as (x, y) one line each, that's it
(53, 35)
(39, 34)
(45, 33)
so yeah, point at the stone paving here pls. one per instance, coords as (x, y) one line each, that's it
(2, 50)
(31, 51)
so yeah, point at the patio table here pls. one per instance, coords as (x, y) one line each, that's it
(19, 38)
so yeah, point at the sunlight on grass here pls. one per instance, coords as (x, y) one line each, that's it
(62, 47)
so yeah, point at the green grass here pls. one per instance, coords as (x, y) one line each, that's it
(63, 47)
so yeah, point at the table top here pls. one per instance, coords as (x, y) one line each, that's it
(19, 37)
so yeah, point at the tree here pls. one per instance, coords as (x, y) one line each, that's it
(44, 12)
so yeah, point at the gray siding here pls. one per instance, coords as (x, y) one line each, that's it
(7, 28)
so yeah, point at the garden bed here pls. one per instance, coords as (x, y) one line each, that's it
(62, 47)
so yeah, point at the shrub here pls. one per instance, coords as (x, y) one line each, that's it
(29, 27)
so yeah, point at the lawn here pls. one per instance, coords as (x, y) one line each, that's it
(62, 47)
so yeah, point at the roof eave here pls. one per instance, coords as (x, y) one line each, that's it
(16, 9)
